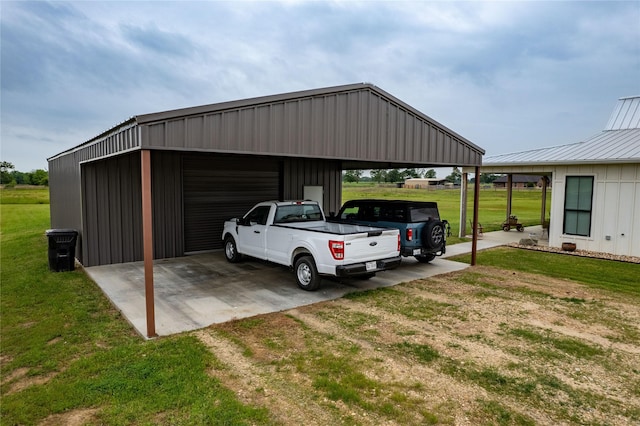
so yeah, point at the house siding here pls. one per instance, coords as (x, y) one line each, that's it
(615, 208)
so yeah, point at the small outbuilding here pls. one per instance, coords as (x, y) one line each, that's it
(422, 183)
(195, 167)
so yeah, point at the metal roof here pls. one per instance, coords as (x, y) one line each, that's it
(360, 124)
(626, 114)
(618, 143)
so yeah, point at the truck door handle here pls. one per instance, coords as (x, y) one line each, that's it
(256, 232)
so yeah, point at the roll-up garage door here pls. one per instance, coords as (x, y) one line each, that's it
(219, 188)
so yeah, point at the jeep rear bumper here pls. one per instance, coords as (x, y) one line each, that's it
(421, 251)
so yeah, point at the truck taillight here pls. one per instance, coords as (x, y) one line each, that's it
(409, 234)
(399, 242)
(337, 249)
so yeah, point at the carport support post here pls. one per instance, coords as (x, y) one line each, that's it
(462, 232)
(147, 238)
(543, 213)
(509, 195)
(476, 197)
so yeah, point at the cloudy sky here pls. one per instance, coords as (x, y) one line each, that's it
(509, 76)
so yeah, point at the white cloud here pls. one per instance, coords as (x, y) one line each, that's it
(506, 75)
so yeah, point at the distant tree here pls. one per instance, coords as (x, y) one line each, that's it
(430, 174)
(455, 176)
(410, 173)
(5, 172)
(352, 176)
(394, 175)
(19, 177)
(39, 177)
(488, 178)
(379, 175)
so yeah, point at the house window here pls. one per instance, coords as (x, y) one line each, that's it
(577, 205)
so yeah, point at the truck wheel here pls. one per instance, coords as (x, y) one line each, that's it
(231, 250)
(433, 234)
(425, 258)
(306, 273)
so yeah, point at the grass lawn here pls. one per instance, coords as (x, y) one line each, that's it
(64, 347)
(371, 357)
(617, 277)
(526, 204)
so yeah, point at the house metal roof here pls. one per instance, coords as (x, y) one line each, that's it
(619, 142)
(626, 114)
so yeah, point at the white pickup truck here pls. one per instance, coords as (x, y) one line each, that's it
(296, 234)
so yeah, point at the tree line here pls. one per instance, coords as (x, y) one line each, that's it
(397, 175)
(9, 176)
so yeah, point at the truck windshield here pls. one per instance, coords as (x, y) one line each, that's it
(298, 213)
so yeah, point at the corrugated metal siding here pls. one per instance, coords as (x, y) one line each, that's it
(166, 196)
(112, 210)
(360, 124)
(122, 138)
(65, 206)
(218, 188)
(298, 173)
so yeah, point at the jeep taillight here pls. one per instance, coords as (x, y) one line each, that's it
(409, 234)
(337, 249)
(399, 243)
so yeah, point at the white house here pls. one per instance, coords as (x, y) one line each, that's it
(595, 201)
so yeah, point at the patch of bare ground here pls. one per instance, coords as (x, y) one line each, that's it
(473, 347)
(19, 380)
(72, 418)
(256, 383)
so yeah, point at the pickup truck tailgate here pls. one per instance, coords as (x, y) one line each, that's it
(370, 245)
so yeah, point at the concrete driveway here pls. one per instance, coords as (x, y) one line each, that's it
(195, 291)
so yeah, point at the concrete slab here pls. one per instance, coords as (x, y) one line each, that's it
(195, 291)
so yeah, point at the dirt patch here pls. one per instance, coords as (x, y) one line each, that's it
(477, 346)
(18, 380)
(72, 418)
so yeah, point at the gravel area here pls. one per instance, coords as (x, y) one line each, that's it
(581, 253)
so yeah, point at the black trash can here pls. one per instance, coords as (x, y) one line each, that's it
(62, 249)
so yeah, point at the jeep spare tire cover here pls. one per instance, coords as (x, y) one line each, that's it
(433, 234)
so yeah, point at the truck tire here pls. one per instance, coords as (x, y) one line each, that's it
(231, 250)
(433, 234)
(306, 272)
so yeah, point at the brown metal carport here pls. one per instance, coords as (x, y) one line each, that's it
(159, 185)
